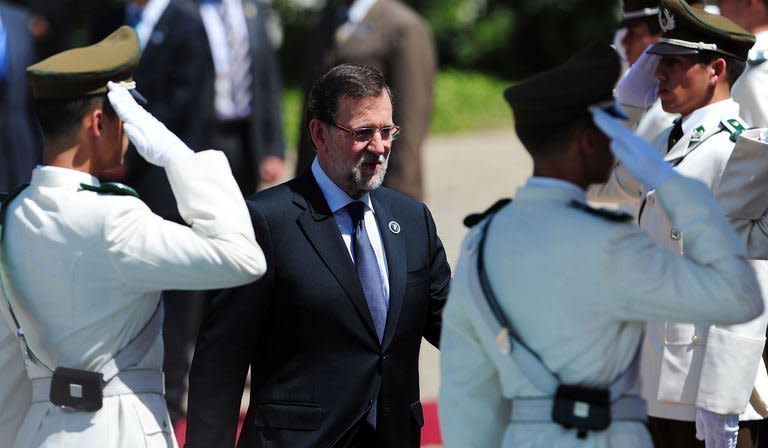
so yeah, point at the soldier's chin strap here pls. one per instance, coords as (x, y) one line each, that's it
(572, 406)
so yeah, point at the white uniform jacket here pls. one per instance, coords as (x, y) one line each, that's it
(15, 387)
(86, 271)
(686, 365)
(577, 288)
(750, 89)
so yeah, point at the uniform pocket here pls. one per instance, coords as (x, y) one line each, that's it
(154, 421)
(417, 413)
(286, 415)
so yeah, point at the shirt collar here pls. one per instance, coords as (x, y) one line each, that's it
(49, 176)
(761, 41)
(149, 17)
(539, 181)
(710, 116)
(359, 10)
(335, 196)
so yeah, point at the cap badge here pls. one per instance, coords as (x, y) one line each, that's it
(666, 20)
(394, 227)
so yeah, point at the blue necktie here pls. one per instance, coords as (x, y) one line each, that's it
(3, 54)
(370, 277)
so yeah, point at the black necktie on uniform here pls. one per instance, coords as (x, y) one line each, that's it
(676, 134)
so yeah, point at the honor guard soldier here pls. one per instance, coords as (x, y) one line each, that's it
(697, 377)
(84, 262)
(541, 333)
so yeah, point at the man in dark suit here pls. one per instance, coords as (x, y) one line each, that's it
(248, 94)
(356, 276)
(175, 74)
(390, 37)
(20, 140)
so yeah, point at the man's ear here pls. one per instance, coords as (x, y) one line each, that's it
(93, 122)
(718, 71)
(319, 134)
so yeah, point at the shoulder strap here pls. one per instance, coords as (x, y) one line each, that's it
(734, 126)
(114, 188)
(527, 360)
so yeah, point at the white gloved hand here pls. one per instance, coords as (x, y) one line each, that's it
(717, 430)
(638, 86)
(153, 141)
(764, 135)
(640, 158)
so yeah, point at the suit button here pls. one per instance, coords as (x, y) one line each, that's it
(694, 339)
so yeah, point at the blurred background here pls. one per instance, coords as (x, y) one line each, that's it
(482, 46)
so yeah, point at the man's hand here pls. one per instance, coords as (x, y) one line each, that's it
(717, 430)
(639, 87)
(153, 141)
(640, 158)
(271, 168)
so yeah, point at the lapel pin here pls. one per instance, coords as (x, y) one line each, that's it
(394, 227)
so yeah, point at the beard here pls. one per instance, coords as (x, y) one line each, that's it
(359, 180)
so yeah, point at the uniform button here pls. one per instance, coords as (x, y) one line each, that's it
(694, 339)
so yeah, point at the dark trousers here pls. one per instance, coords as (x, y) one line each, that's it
(183, 313)
(678, 434)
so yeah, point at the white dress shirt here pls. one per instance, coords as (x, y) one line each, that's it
(337, 199)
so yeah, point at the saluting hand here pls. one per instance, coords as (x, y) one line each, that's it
(639, 86)
(640, 158)
(153, 141)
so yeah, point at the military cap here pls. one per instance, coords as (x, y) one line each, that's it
(636, 10)
(565, 93)
(688, 30)
(84, 71)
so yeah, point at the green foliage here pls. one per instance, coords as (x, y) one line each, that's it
(514, 38)
(466, 100)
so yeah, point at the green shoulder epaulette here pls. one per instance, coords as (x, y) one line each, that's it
(114, 188)
(610, 215)
(475, 218)
(735, 126)
(758, 57)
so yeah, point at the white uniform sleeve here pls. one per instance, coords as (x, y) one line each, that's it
(742, 192)
(712, 283)
(218, 249)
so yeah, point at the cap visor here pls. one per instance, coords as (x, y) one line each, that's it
(667, 49)
(138, 97)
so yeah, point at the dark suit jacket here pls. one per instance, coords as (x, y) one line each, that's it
(306, 332)
(265, 136)
(20, 138)
(396, 41)
(175, 74)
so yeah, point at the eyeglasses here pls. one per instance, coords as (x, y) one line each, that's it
(387, 133)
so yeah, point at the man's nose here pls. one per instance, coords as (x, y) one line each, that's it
(377, 145)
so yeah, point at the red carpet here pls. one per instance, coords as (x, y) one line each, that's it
(430, 434)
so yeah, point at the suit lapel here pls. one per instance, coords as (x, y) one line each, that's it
(394, 247)
(321, 230)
